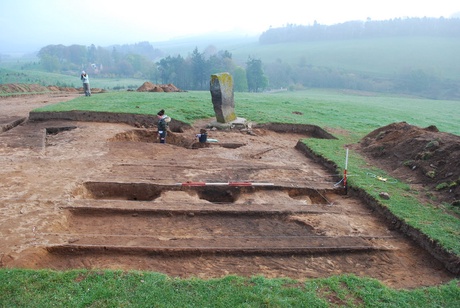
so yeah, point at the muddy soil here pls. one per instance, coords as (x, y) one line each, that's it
(423, 157)
(98, 195)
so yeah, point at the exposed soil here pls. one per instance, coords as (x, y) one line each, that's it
(422, 157)
(102, 195)
(151, 87)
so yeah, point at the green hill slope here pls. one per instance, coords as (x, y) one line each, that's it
(380, 56)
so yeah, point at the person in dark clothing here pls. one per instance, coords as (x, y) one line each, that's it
(202, 136)
(163, 121)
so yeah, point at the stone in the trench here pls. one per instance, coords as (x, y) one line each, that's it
(221, 87)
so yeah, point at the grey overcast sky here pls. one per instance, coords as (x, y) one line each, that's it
(28, 25)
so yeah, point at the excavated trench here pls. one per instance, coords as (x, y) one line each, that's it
(213, 192)
(211, 218)
(250, 204)
(209, 221)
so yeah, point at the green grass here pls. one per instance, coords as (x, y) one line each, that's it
(359, 114)
(430, 219)
(351, 116)
(35, 76)
(81, 288)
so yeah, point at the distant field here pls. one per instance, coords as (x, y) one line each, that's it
(379, 57)
(382, 57)
(30, 76)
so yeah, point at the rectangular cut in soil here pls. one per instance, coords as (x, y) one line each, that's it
(184, 225)
(184, 234)
(240, 245)
(213, 192)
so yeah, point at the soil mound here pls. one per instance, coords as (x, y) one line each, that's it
(151, 87)
(12, 88)
(418, 155)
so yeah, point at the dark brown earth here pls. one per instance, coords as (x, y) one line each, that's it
(99, 195)
(422, 157)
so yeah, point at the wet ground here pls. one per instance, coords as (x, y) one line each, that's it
(96, 195)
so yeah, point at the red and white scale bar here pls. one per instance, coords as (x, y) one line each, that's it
(224, 184)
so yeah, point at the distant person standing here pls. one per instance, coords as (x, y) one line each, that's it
(84, 77)
(163, 122)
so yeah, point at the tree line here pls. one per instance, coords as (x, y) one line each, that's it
(408, 80)
(440, 27)
(137, 61)
(192, 72)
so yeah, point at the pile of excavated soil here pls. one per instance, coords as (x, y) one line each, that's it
(420, 156)
(151, 87)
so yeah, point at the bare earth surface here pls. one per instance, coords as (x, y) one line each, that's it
(107, 196)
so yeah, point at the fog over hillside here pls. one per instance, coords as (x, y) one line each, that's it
(28, 25)
(415, 56)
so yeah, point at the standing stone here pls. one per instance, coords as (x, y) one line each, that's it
(221, 87)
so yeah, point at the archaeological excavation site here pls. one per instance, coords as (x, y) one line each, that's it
(92, 191)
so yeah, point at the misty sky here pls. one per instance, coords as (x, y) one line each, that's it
(28, 25)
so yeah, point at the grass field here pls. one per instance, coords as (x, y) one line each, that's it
(33, 76)
(352, 115)
(357, 112)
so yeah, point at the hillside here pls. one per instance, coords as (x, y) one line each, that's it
(420, 63)
(383, 56)
(379, 56)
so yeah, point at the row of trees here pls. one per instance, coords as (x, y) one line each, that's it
(137, 61)
(440, 27)
(408, 80)
(412, 81)
(193, 71)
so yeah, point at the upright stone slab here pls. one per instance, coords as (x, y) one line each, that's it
(221, 87)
